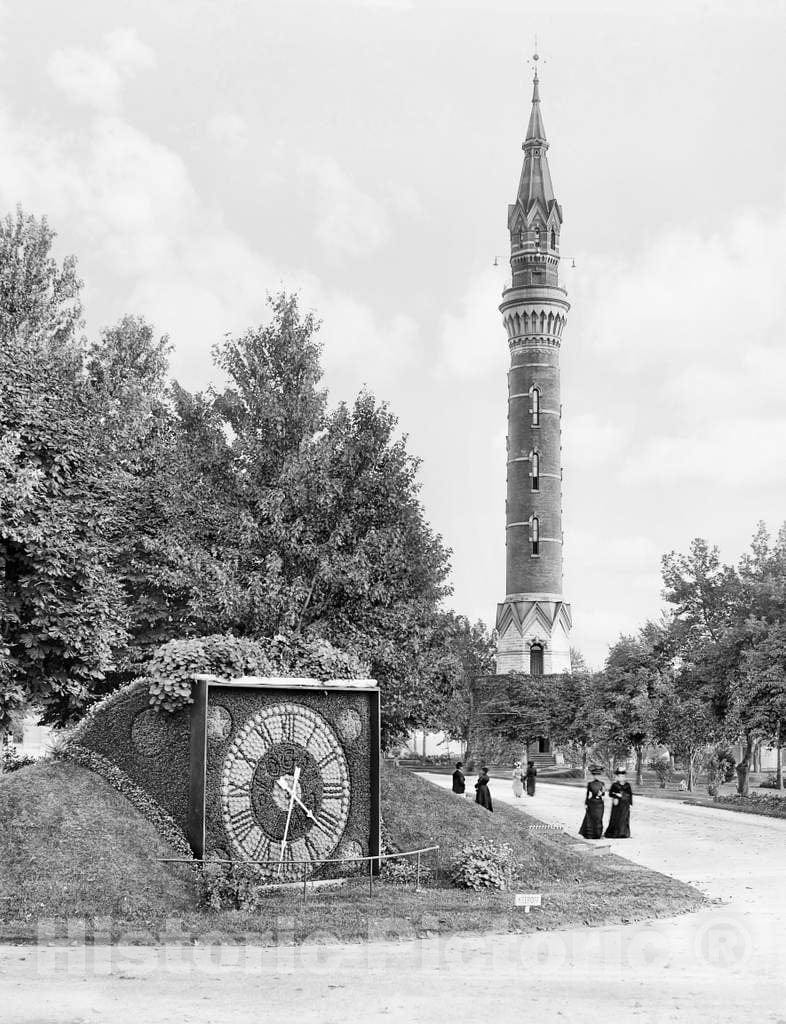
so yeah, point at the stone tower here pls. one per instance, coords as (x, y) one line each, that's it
(533, 622)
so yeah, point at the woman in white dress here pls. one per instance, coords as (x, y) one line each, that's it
(518, 784)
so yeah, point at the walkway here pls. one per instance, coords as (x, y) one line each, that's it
(724, 964)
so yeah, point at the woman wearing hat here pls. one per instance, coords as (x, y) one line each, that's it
(482, 795)
(592, 826)
(621, 799)
(518, 785)
(532, 774)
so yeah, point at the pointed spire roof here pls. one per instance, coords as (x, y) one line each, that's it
(535, 183)
(536, 133)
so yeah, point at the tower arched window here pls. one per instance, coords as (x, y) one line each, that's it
(553, 239)
(535, 463)
(534, 535)
(535, 407)
(536, 660)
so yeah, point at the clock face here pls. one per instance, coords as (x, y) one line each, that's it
(285, 789)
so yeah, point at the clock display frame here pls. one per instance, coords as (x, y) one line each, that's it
(248, 736)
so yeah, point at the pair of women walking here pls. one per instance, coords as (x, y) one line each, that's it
(482, 792)
(522, 778)
(621, 800)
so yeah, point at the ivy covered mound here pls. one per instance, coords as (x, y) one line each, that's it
(73, 848)
(138, 738)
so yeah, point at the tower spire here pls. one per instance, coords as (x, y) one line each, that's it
(536, 133)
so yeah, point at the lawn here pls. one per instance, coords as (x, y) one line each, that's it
(75, 854)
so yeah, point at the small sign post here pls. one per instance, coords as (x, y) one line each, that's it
(527, 900)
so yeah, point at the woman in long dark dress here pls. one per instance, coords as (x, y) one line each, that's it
(592, 826)
(621, 799)
(482, 794)
(532, 774)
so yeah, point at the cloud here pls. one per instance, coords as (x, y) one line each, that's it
(472, 338)
(129, 204)
(360, 348)
(348, 222)
(590, 441)
(230, 131)
(96, 79)
(745, 454)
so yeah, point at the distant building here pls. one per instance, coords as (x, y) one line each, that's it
(534, 622)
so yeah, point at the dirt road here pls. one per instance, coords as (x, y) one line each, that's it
(723, 964)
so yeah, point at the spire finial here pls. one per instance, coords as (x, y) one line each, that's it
(533, 63)
(535, 132)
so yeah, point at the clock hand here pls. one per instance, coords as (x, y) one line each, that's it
(292, 799)
(306, 810)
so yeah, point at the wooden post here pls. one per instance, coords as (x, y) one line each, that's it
(197, 769)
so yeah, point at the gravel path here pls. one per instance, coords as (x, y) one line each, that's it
(723, 964)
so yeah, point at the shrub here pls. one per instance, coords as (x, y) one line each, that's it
(235, 886)
(662, 768)
(169, 672)
(403, 871)
(482, 864)
(12, 762)
(720, 768)
(758, 803)
(771, 782)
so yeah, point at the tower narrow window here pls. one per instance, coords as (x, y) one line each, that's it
(534, 535)
(536, 660)
(535, 462)
(535, 407)
(553, 239)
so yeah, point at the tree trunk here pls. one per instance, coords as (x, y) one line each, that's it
(744, 767)
(691, 762)
(584, 760)
(639, 764)
(778, 760)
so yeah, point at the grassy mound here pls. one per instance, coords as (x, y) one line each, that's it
(72, 850)
(73, 847)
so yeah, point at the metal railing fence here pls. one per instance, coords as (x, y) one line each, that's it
(310, 867)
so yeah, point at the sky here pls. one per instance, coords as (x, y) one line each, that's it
(197, 155)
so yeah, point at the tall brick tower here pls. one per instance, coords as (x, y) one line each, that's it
(533, 622)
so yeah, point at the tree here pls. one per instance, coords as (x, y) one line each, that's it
(627, 690)
(40, 299)
(272, 402)
(705, 595)
(765, 662)
(61, 612)
(471, 650)
(62, 615)
(575, 714)
(685, 721)
(521, 711)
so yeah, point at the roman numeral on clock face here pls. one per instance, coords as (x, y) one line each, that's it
(239, 789)
(243, 824)
(328, 819)
(332, 790)
(288, 726)
(312, 846)
(262, 849)
(330, 758)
